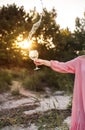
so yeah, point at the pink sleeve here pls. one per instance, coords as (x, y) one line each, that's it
(64, 67)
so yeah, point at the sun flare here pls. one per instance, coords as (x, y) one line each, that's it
(25, 44)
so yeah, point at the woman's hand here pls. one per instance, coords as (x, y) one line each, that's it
(42, 62)
(38, 61)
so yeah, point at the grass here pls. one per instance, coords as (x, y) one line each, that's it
(52, 119)
(46, 120)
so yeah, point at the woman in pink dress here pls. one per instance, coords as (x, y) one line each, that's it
(76, 66)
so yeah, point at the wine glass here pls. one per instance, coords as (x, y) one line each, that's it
(33, 54)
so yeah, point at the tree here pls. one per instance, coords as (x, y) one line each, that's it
(65, 48)
(45, 35)
(13, 22)
(51, 41)
(79, 34)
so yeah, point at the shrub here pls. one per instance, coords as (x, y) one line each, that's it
(18, 73)
(50, 77)
(34, 81)
(59, 81)
(47, 77)
(5, 80)
(65, 82)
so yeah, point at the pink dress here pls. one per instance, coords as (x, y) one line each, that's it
(76, 66)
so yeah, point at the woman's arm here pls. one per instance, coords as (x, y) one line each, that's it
(63, 67)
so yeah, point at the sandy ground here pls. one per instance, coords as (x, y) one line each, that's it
(57, 100)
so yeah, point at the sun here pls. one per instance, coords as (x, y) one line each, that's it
(23, 43)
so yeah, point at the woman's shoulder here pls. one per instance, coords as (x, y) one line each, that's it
(81, 57)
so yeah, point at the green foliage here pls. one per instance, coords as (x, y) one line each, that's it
(66, 82)
(51, 41)
(37, 80)
(79, 34)
(5, 80)
(47, 77)
(19, 73)
(52, 119)
(34, 81)
(59, 81)
(14, 22)
(50, 78)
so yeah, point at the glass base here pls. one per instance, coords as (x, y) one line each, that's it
(37, 68)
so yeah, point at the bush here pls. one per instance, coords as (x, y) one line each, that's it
(50, 78)
(5, 80)
(65, 82)
(34, 81)
(59, 81)
(47, 77)
(19, 73)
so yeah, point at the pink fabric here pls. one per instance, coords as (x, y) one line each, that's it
(76, 66)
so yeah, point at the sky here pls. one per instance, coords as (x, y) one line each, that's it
(67, 10)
